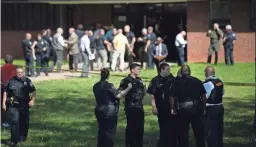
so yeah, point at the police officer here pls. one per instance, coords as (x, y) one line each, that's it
(134, 108)
(151, 41)
(142, 43)
(29, 55)
(228, 42)
(107, 108)
(131, 39)
(214, 116)
(17, 96)
(159, 92)
(190, 94)
(42, 55)
(51, 53)
(215, 35)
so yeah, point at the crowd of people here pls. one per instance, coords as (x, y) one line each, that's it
(87, 46)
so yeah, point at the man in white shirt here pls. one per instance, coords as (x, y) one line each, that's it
(58, 45)
(86, 53)
(180, 44)
(120, 42)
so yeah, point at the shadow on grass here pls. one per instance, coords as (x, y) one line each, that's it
(70, 122)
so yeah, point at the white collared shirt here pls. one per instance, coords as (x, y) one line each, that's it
(180, 41)
(85, 44)
(159, 50)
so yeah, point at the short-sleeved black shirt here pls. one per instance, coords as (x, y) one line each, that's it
(187, 88)
(160, 87)
(105, 93)
(20, 89)
(136, 94)
(26, 46)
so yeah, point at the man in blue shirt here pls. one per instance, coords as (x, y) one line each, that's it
(228, 42)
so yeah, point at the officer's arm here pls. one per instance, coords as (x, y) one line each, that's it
(124, 92)
(203, 93)
(151, 91)
(172, 94)
(32, 90)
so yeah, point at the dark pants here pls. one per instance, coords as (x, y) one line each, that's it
(130, 59)
(150, 58)
(19, 122)
(142, 56)
(53, 57)
(229, 58)
(41, 64)
(29, 65)
(134, 127)
(186, 115)
(107, 122)
(211, 50)
(181, 54)
(214, 126)
(168, 129)
(158, 64)
(73, 59)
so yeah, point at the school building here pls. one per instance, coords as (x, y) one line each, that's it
(194, 16)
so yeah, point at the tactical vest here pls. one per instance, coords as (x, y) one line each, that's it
(216, 93)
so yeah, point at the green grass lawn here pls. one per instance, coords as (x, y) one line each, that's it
(64, 112)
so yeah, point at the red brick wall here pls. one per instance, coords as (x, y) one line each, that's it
(197, 26)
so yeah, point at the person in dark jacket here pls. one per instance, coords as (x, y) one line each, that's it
(106, 110)
(191, 98)
(42, 55)
(159, 51)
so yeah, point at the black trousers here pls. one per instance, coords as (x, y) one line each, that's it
(143, 57)
(214, 126)
(135, 126)
(229, 57)
(53, 57)
(29, 65)
(168, 129)
(157, 63)
(130, 59)
(107, 122)
(189, 114)
(41, 64)
(19, 121)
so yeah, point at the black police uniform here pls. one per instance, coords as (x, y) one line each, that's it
(27, 51)
(52, 52)
(130, 35)
(42, 57)
(214, 116)
(229, 47)
(143, 57)
(18, 98)
(159, 87)
(188, 90)
(106, 112)
(134, 111)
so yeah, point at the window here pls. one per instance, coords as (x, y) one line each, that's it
(220, 12)
(28, 16)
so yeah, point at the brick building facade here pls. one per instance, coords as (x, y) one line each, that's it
(19, 18)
